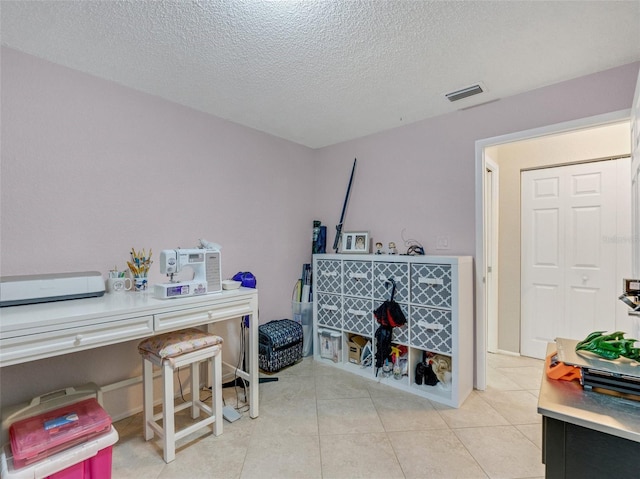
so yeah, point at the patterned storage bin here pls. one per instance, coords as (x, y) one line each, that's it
(431, 329)
(329, 310)
(356, 278)
(399, 272)
(431, 285)
(279, 344)
(357, 315)
(327, 276)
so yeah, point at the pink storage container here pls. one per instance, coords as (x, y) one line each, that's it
(37, 437)
(89, 460)
(69, 441)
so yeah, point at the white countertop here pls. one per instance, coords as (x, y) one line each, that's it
(27, 319)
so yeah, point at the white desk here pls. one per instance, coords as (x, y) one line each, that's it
(44, 330)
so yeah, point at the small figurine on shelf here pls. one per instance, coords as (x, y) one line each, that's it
(392, 248)
(378, 248)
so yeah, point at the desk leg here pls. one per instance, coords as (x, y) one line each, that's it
(254, 381)
(251, 360)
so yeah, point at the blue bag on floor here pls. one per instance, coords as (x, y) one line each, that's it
(279, 344)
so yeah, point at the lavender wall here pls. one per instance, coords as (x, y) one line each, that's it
(90, 169)
(421, 177)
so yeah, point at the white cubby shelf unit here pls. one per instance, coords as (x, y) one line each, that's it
(436, 296)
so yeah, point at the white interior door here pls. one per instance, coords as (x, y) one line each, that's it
(569, 253)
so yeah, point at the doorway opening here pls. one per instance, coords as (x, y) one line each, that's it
(491, 334)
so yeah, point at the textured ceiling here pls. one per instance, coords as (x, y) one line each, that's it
(321, 72)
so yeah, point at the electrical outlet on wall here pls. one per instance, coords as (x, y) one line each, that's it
(442, 242)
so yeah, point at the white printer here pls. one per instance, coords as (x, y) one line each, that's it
(42, 288)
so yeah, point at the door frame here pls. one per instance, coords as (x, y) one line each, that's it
(482, 327)
(491, 237)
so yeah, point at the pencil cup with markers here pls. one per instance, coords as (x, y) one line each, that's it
(140, 283)
(139, 266)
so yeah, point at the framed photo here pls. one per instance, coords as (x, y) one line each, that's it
(355, 242)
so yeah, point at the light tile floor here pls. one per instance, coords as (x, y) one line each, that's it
(319, 422)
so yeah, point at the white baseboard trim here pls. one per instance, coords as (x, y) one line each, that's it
(505, 352)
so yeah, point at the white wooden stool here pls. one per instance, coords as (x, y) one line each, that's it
(170, 351)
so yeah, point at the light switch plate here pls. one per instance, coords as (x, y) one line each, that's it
(442, 242)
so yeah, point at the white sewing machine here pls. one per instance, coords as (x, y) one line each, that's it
(207, 274)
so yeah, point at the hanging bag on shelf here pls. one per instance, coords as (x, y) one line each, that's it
(389, 315)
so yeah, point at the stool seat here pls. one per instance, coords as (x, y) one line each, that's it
(170, 351)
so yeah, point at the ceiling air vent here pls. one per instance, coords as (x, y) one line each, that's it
(464, 93)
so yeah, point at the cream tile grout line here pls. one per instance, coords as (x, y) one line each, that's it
(369, 392)
(471, 454)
